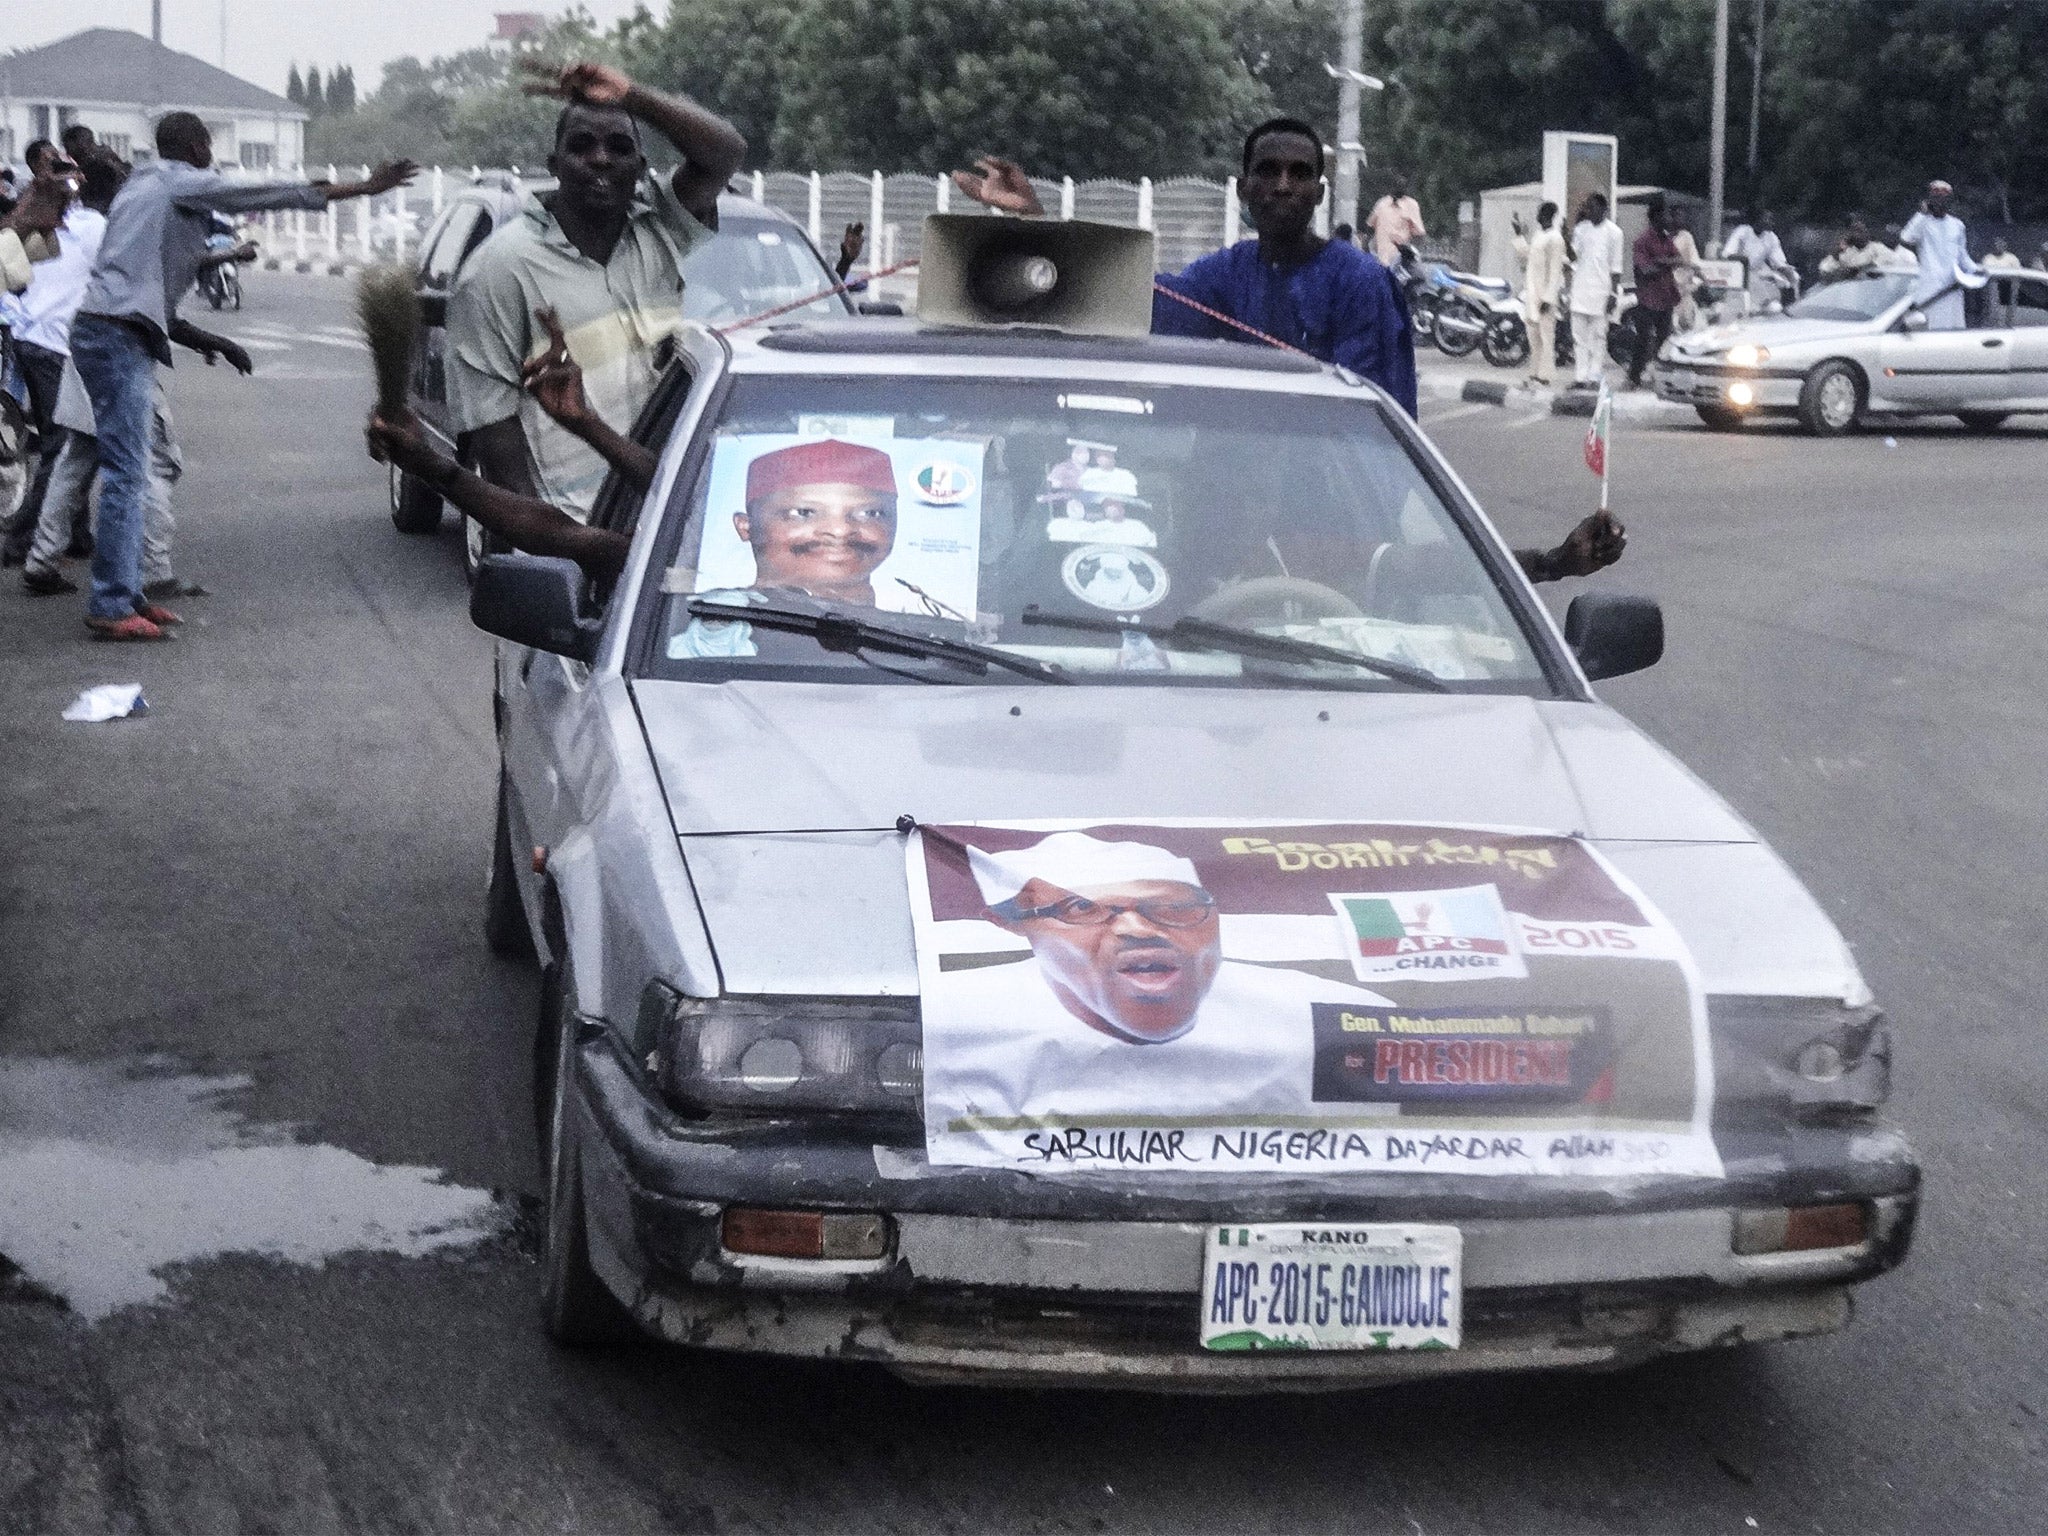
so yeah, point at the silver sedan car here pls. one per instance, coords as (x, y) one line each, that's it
(1857, 349)
(901, 600)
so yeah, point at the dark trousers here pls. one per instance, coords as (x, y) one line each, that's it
(1653, 329)
(43, 371)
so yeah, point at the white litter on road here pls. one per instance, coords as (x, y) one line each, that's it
(109, 701)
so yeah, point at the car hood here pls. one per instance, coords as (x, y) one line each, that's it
(787, 796)
(1766, 331)
(792, 757)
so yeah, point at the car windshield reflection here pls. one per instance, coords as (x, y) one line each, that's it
(959, 505)
(1853, 299)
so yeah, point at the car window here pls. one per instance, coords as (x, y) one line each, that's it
(956, 505)
(619, 500)
(444, 257)
(754, 265)
(2029, 302)
(1863, 297)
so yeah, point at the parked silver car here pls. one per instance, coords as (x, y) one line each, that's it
(1038, 578)
(1860, 348)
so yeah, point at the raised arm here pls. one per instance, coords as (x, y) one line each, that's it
(556, 384)
(1596, 543)
(524, 522)
(712, 148)
(1002, 185)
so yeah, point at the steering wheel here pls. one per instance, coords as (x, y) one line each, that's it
(1275, 600)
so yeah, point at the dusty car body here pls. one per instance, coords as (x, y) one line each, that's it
(1860, 348)
(692, 849)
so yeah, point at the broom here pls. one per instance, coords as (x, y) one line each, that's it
(388, 310)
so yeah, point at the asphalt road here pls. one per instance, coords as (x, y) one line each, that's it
(276, 877)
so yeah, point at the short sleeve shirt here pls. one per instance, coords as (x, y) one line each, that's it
(615, 315)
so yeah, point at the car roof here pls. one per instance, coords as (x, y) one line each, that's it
(871, 345)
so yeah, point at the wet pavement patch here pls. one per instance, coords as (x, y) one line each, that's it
(111, 1173)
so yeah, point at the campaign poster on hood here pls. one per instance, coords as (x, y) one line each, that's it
(865, 519)
(1299, 999)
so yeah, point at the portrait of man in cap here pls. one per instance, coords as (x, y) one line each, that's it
(820, 517)
(1127, 1004)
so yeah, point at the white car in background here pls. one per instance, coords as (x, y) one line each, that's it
(1861, 348)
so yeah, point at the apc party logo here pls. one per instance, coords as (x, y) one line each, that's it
(1455, 935)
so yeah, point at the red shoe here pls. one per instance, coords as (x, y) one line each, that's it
(158, 615)
(132, 627)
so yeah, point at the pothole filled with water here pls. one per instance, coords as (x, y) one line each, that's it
(111, 1173)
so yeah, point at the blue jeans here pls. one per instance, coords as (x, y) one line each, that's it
(119, 373)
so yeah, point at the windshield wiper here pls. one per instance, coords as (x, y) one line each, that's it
(1205, 634)
(850, 634)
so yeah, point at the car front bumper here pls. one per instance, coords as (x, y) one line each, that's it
(1095, 1279)
(1770, 392)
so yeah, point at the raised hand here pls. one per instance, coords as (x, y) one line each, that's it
(1595, 544)
(598, 84)
(1001, 184)
(392, 173)
(398, 440)
(554, 379)
(850, 246)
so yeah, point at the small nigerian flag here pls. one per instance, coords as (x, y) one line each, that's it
(1596, 434)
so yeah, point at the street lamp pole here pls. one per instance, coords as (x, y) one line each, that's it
(1717, 134)
(1350, 54)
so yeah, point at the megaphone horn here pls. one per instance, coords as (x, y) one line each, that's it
(1067, 274)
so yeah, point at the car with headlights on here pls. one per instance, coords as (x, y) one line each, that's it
(991, 725)
(1861, 349)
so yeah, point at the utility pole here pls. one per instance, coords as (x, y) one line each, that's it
(1350, 54)
(1717, 133)
(1756, 95)
(156, 22)
(223, 33)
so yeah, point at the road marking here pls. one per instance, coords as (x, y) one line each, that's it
(1459, 413)
(1530, 420)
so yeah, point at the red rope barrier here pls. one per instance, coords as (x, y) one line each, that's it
(1217, 314)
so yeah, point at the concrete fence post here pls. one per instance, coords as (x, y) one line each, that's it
(1230, 211)
(942, 194)
(760, 188)
(363, 217)
(1144, 202)
(434, 182)
(817, 208)
(331, 219)
(299, 236)
(874, 218)
(1066, 197)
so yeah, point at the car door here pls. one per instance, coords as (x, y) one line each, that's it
(544, 700)
(2027, 369)
(1950, 370)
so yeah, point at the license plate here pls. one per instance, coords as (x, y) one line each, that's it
(1679, 381)
(1287, 1285)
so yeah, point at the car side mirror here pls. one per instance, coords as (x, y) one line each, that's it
(533, 600)
(880, 307)
(434, 310)
(1913, 320)
(1612, 634)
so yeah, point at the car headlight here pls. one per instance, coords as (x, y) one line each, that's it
(777, 1055)
(1747, 356)
(1807, 1059)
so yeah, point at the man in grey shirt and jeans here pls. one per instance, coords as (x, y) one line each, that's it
(149, 259)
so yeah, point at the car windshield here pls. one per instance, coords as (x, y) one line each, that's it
(1863, 297)
(754, 265)
(1116, 533)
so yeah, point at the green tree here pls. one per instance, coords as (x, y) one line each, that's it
(1283, 45)
(1084, 87)
(295, 87)
(728, 54)
(341, 90)
(316, 96)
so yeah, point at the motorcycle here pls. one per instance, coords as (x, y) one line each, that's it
(222, 282)
(1473, 305)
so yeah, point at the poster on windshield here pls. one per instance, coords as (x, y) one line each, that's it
(1300, 999)
(863, 518)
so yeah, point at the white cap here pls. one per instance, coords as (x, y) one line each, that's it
(1072, 860)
